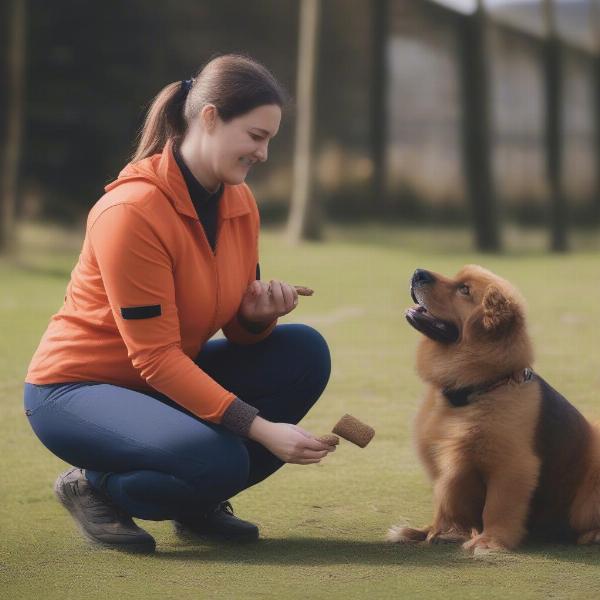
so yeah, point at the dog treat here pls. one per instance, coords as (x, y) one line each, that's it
(354, 431)
(329, 439)
(303, 291)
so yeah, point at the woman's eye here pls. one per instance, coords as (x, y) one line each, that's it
(255, 137)
(464, 289)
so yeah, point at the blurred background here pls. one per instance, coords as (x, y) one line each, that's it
(477, 115)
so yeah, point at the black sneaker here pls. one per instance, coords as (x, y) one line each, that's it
(98, 518)
(220, 523)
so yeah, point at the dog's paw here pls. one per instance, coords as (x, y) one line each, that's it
(589, 537)
(484, 544)
(400, 534)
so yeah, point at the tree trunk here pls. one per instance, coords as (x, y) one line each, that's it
(14, 89)
(305, 215)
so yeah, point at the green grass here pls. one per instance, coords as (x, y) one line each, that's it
(322, 526)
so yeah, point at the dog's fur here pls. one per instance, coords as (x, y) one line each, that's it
(518, 458)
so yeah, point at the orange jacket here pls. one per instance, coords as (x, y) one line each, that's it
(148, 291)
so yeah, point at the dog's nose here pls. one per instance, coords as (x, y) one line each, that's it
(421, 277)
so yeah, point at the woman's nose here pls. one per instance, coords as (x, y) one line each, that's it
(262, 153)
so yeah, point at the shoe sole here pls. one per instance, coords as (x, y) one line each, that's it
(147, 548)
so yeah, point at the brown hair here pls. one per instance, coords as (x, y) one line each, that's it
(235, 84)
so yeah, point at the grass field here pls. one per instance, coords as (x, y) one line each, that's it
(322, 526)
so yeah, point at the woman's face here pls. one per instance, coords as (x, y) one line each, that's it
(236, 145)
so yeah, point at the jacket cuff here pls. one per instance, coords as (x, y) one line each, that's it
(238, 334)
(255, 328)
(239, 416)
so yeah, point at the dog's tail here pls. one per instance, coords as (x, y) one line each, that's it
(401, 534)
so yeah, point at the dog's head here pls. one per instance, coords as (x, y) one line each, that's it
(474, 326)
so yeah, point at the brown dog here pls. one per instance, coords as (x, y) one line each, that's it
(507, 454)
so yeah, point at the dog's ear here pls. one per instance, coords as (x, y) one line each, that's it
(498, 310)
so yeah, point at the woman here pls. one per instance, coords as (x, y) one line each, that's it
(160, 422)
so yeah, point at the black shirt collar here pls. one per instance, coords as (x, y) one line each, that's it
(198, 193)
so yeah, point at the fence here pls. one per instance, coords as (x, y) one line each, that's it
(421, 111)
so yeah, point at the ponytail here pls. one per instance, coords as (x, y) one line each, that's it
(233, 83)
(164, 121)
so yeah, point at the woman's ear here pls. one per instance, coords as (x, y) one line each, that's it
(208, 116)
(498, 310)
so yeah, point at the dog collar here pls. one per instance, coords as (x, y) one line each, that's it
(460, 396)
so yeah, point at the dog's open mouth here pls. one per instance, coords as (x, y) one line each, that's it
(427, 324)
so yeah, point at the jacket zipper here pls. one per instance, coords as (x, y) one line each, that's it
(213, 258)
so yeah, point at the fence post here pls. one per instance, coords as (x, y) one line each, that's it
(477, 150)
(305, 216)
(379, 108)
(553, 93)
(596, 104)
(14, 29)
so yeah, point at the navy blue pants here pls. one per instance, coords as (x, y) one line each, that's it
(155, 459)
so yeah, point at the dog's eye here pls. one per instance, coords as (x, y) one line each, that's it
(464, 289)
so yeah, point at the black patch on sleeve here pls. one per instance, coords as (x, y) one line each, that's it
(257, 271)
(141, 312)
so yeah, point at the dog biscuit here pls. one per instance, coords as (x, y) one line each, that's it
(329, 439)
(303, 290)
(353, 430)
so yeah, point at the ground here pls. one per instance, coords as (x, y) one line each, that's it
(322, 526)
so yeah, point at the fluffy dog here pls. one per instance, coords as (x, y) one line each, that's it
(507, 454)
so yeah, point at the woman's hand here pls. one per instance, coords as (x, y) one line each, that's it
(290, 443)
(264, 302)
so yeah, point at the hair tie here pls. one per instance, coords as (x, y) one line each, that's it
(186, 85)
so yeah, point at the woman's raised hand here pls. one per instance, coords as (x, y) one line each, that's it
(264, 302)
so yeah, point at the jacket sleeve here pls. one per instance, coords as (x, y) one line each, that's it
(235, 331)
(137, 273)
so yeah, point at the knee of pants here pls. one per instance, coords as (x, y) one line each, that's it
(225, 470)
(313, 354)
